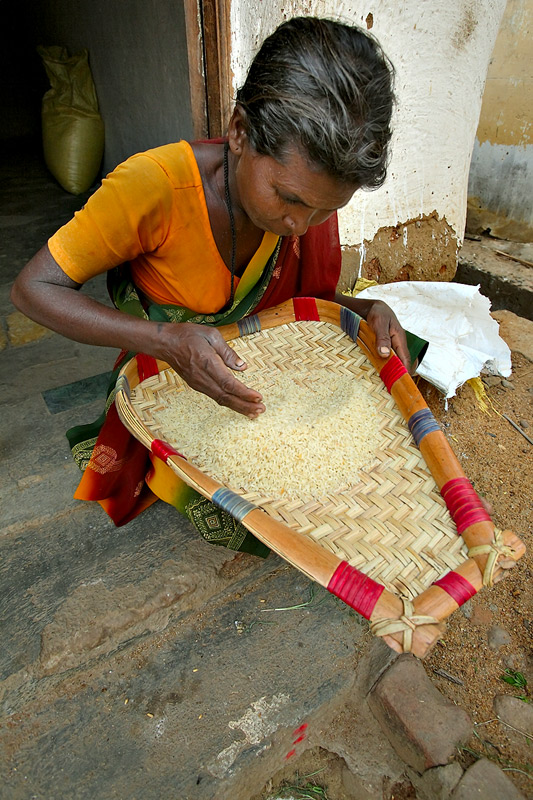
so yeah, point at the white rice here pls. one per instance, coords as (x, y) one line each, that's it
(318, 430)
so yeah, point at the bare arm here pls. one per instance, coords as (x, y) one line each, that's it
(198, 353)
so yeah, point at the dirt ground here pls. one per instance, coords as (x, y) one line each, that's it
(322, 775)
(498, 461)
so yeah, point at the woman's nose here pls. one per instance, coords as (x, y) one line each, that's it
(298, 222)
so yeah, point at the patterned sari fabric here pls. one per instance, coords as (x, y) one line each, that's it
(118, 471)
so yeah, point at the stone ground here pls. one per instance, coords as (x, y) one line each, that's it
(142, 662)
(137, 661)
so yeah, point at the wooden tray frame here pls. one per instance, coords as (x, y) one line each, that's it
(405, 626)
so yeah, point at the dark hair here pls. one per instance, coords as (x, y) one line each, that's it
(326, 89)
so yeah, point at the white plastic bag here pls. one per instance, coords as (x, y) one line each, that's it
(455, 320)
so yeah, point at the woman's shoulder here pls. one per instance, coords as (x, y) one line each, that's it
(175, 162)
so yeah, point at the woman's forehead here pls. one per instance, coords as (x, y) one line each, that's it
(308, 183)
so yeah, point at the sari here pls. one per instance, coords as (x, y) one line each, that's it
(118, 471)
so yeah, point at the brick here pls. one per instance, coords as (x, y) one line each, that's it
(437, 783)
(22, 330)
(355, 787)
(481, 617)
(486, 781)
(498, 637)
(355, 734)
(377, 659)
(515, 712)
(423, 727)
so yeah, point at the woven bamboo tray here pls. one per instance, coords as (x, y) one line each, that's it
(388, 543)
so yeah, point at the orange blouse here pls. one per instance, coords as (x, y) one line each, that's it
(151, 211)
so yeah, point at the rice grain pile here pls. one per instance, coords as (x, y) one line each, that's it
(319, 429)
(331, 458)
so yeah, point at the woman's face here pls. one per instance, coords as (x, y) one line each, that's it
(285, 198)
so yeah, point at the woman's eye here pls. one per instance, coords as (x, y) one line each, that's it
(291, 201)
(283, 198)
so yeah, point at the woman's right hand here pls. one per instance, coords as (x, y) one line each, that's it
(203, 359)
(197, 352)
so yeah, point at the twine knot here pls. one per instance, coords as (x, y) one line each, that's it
(407, 623)
(494, 550)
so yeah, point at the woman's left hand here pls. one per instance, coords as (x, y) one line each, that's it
(389, 332)
(383, 321)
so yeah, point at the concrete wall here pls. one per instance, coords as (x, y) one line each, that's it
(411, 227)
(138, 58)
(501, 175)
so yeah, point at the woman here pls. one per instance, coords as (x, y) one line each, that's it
(204, 234)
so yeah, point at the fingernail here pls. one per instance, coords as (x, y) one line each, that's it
(384, 351)
(239, 363)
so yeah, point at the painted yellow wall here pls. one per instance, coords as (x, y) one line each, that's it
(501, 173)
(507, 108)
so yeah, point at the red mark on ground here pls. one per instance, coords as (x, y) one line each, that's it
(300, 730)
(298, 736)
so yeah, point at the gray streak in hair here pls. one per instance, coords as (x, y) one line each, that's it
(325, 88)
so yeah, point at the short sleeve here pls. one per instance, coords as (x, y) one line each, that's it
(128, 215)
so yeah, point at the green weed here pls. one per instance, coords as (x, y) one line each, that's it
(518, 681)
(302, 789)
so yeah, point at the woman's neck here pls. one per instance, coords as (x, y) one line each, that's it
(210, 161)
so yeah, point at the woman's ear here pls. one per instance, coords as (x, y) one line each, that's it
(237, 135)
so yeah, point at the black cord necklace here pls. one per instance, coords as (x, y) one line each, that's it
(227, 198)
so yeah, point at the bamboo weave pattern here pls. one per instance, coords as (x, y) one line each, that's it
(392, 523)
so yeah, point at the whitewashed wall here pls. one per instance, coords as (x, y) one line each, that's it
(441, 52)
